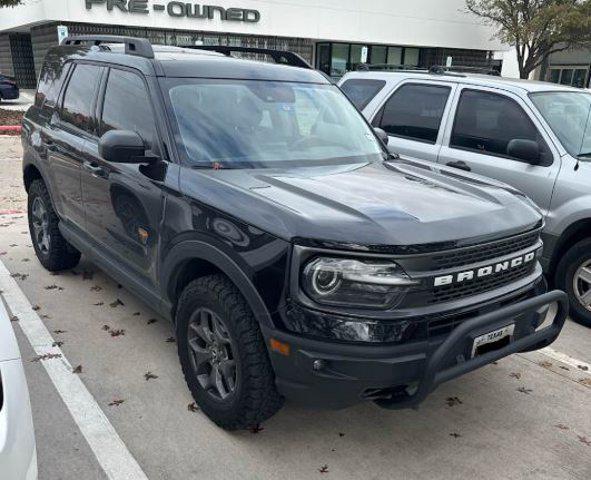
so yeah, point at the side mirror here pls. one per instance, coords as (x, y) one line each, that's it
(383, 136)
(122, 146)
(526, 150)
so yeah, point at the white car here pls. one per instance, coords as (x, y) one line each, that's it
(18, 453)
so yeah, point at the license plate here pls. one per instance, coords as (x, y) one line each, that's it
(492, 337)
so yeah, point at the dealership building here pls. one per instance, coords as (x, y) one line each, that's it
(333, 35)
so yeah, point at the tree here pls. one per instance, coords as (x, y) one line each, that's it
(10, 3)
(537, 28)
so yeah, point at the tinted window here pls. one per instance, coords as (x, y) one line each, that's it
(361, 92)
(415, 111)
(487, 122)
(80, 95)
(127, 105)
(50, 82)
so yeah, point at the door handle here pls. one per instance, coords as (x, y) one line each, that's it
(94, 168)
(461, 165)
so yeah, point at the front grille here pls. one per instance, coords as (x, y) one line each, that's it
(481, 253)
(447, 293)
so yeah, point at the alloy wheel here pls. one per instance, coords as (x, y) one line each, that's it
(40, 222)
(582, 284)
(212, 354)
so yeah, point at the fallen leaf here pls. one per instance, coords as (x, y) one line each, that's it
(116, 403)
(192, 407)
(585, 368)
(341, 434)
(149, 376)
(545, 364)
(47, 356)
(59, 331)
(36, 308)
(25, 260)
(14, 318)
(78, 369)
(584, 440)
(98, 304)
(527, 391)
(564, 368)
(585, 381)
(117, 333)
(136, 314)
(57, 344)
(96, 288)
(106, 328)
(452, 401)
(323, 469)
(455, 435)
(515, 375)
(116, 303)
(561, 426)
(258, 428)
(45, 316)
(152, 320)
(170, 340)
(54, 287)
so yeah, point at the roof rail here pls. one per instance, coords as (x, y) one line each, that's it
(441, 70)
(140, 47)
(366, 67)
(280, 56)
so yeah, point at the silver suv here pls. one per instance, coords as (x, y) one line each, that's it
(535, 136)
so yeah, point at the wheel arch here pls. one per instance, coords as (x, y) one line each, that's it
(574, 233)
(31, 173)
(193, 259)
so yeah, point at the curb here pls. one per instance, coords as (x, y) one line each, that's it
(10, 129)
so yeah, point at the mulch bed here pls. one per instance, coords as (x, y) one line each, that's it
(9, 118)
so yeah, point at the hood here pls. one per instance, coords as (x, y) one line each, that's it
(391, 203)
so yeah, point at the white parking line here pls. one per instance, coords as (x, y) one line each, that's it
(110, 451)
(564, 358)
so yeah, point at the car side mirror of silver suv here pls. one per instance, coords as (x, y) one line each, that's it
(523, 149)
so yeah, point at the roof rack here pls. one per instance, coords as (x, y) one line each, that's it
(366, 67)
(140, 47)
(280, 56)
(440, 70)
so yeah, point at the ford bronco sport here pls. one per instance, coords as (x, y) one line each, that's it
(252, 205)
(534, 136)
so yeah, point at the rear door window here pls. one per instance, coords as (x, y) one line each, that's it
(486, 122)
(414, 111)
(80, 96)
(50, 82)
(361, 91)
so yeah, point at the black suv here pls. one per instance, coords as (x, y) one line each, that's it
(252, 204)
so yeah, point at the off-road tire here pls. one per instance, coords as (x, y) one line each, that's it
(256, 398)
(576, 256)
(60, 255)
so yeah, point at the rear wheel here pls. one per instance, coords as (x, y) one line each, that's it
(52, 249)
(223, 355)
(573, 275)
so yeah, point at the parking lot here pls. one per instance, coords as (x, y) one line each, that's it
(525, 417)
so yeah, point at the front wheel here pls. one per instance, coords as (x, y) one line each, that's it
(573, 275)
(52, 249)
(223, 355)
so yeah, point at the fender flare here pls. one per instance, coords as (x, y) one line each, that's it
(194, 249)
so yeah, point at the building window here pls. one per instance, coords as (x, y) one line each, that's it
(572, 76)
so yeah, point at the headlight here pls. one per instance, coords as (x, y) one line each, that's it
(357, 283)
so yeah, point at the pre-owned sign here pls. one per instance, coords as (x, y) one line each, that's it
(179, 9)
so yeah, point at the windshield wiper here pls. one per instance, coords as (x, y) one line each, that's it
(585, 155)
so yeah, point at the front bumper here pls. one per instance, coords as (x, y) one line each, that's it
(336, 375)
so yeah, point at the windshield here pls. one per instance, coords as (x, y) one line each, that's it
(251, 124)
(569, 115)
